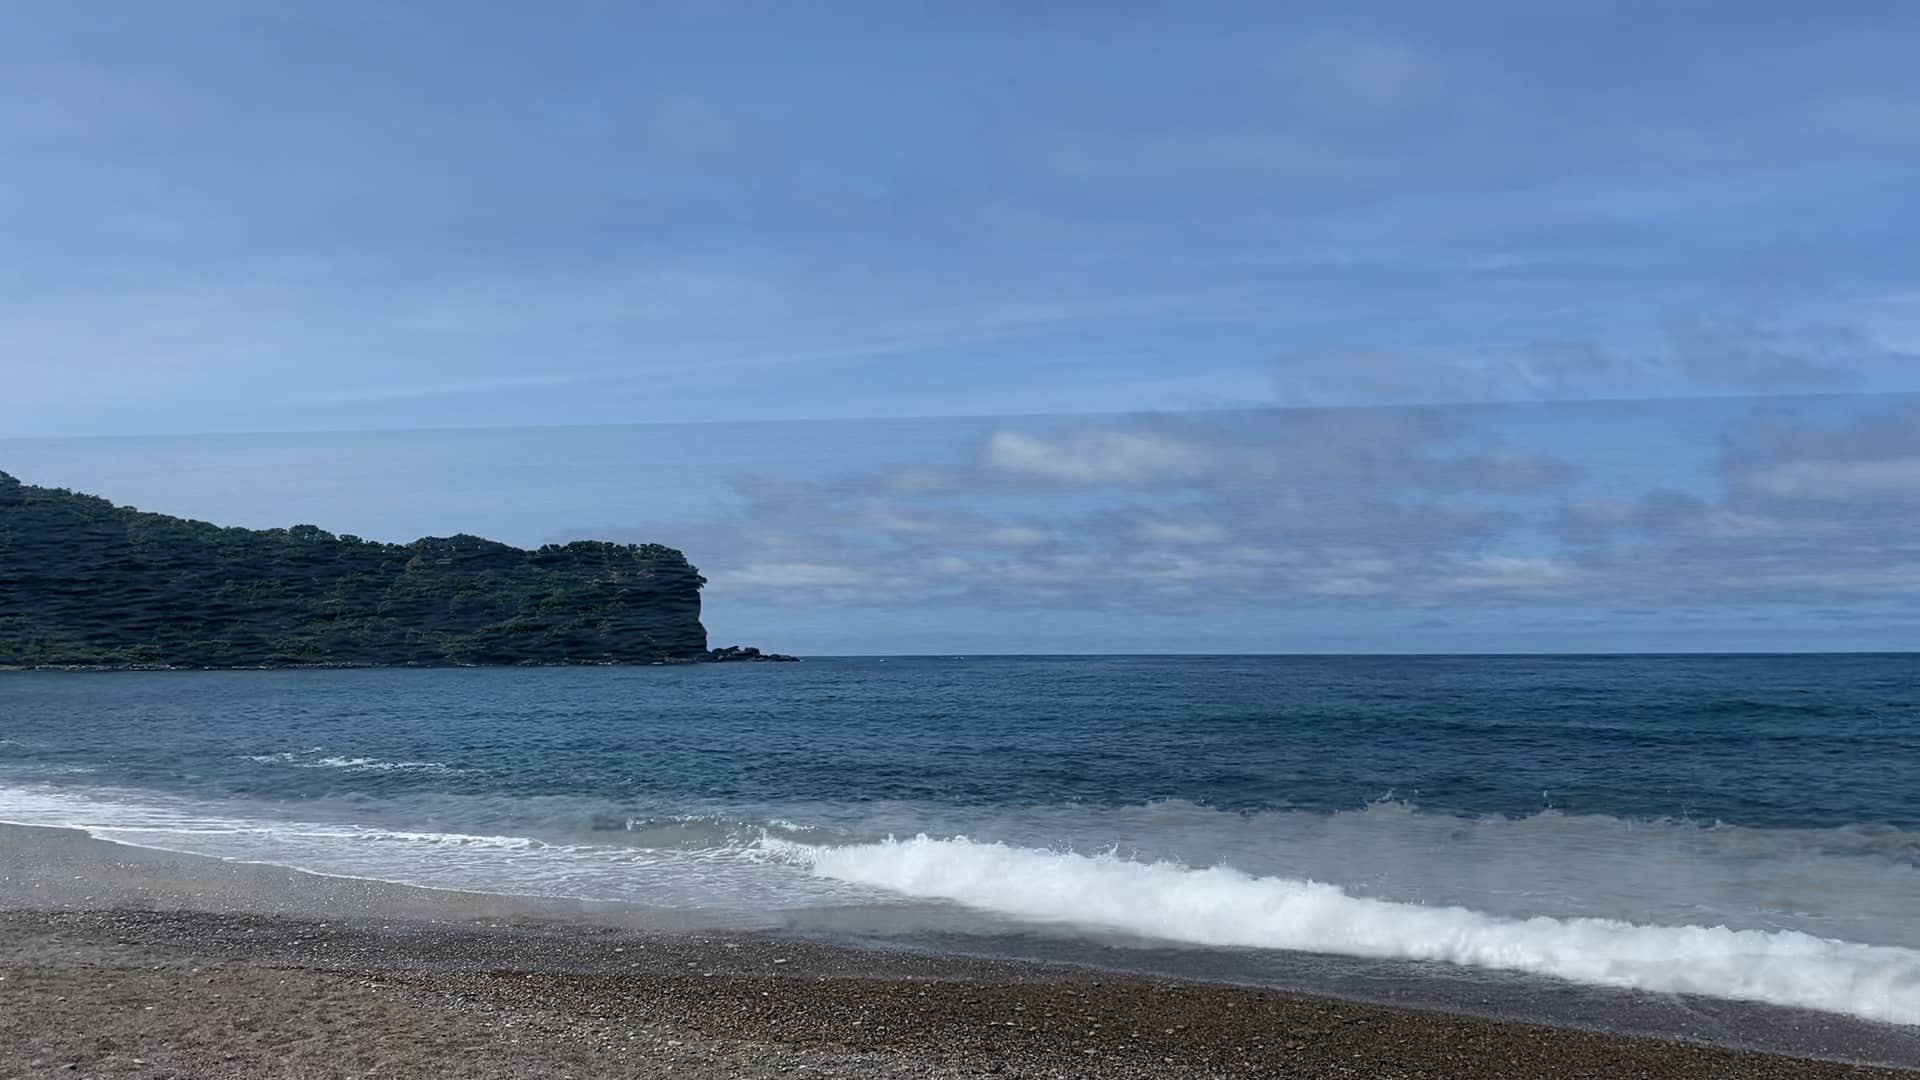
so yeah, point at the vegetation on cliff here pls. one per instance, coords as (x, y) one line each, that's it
(86, 583)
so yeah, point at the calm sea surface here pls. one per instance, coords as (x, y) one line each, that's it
(1747, 827)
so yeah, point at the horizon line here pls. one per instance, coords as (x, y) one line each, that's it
(1387, 654)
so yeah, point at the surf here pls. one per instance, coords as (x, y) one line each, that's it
(1223, 907)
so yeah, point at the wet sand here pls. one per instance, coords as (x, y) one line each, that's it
(123, 962)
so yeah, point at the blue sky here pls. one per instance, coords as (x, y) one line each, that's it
(1099, 230)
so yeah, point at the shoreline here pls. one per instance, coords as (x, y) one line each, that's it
(201, 968)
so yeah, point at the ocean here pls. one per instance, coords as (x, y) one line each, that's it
(1737, 827)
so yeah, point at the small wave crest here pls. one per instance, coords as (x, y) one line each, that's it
(314, 759)
(1219, 906)
(700, 831)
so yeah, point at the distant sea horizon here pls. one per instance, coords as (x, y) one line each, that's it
(945, 654)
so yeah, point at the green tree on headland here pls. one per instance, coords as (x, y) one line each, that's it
(86, 583)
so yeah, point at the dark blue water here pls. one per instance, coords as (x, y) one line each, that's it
(1770, 741)
(1413, 807)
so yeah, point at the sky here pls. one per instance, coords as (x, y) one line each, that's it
(1008, 327)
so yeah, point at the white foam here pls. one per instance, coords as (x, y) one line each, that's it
(728, 882)
(1820, 919)
(307, 760)
(1850, 882)
(1220, 906)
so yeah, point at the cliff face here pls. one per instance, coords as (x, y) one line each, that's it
(84, 582)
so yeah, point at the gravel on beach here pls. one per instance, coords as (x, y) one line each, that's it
(119, 964)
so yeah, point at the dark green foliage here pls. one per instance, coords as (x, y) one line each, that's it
(84, 582)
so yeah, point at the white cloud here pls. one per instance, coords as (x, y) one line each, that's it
(1359, 510)
(1515, 572)
(1769, 358)
(893, 520)
(795, 575)
(1097, 457)
(1891, 479)
(952, 529)
(1867, 465)
(1355, 575)
(950, 566)
(1162, 531)
(1016, 536)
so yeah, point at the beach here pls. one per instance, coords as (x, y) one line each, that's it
(121, 961)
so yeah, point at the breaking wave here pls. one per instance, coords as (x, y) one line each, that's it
(1823, 918)
(1220, 906)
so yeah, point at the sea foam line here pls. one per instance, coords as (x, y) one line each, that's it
(1223, 907)
(358, 764)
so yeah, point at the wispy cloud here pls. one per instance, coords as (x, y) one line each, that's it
(391, 226)
(1795, 501)
(1101, 457)
(1683, 357)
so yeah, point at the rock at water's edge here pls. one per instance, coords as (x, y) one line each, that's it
(737, 653)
